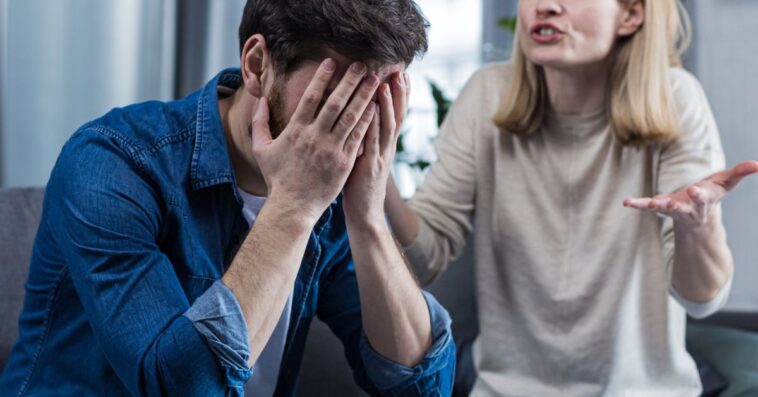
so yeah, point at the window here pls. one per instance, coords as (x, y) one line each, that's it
(454, 54)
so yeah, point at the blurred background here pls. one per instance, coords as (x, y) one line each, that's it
(64, 62)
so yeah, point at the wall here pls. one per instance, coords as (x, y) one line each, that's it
(3, 57)
(725, 60)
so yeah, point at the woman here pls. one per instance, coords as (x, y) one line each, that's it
(578, 294)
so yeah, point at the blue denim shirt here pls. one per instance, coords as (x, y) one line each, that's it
(141, 219)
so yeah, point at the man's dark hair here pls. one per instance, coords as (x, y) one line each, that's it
(373, 31)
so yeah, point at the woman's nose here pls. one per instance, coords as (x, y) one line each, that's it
(548, 8)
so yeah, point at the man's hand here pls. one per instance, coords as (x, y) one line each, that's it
(395, 314)
(367, 186)
(308, 164)
(693, 206)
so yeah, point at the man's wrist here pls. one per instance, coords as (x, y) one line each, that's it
(367, 221)
(300, 216)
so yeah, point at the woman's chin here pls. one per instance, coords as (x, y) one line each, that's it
(549, 61)
(546, 56)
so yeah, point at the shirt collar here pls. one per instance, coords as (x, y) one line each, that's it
(210, 157)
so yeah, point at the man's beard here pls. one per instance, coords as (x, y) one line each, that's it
(277, 119)
(277, 122)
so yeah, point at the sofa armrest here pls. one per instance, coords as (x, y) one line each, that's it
(743, 320)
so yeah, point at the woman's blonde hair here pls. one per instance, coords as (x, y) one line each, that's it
(640, 102)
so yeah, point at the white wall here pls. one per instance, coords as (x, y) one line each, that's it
(3, 57)
(725, 59)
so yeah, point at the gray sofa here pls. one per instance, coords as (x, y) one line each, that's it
(324, 372)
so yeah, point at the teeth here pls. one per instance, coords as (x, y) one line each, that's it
(547, 32)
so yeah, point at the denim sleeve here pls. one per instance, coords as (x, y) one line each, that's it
(339, 307)
(107, 215)
(388, 375)
(217, 315)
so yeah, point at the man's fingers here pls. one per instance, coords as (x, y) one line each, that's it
(407, 87)
(399, 97)
(355, 139)
(357, 106)
(314, 93)
(388, 122)
(339, 98)
(373, 136)
(261, 133)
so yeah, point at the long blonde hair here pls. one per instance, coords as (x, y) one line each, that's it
(640, 103)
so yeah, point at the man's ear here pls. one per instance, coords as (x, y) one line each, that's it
(632, 18)
(254, 64)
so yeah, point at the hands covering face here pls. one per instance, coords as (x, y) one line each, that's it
(317, 154)
(366, 187)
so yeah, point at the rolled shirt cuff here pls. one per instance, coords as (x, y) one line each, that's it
(218, 317)
(387, 374)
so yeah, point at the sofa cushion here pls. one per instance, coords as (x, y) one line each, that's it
(732, 352)
(19, 217)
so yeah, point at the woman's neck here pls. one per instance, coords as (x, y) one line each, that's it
(577, 91)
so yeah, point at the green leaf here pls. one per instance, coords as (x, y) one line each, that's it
(443, 103)
(508, 24)
(422, 165)
(400, 148)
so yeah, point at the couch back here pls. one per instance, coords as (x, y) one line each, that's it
(19, 217)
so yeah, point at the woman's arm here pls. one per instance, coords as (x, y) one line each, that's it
(689, 184)
(433, 226)
(702, 261)
(401, 216)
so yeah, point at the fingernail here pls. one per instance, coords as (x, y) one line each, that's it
(386, 89)
(359, 67)
(329, 65)
(400, 80)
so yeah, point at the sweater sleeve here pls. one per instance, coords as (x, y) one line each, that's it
(691, 157)
(445, 201)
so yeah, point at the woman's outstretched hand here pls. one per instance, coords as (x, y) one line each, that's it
(694, 204)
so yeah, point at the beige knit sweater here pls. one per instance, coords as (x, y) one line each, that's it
(573, 289)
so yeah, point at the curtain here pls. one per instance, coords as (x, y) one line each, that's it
(69, 61)
(65, 62)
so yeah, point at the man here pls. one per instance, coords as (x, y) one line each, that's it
(184, 247)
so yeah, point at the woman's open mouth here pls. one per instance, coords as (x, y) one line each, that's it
(546, 34)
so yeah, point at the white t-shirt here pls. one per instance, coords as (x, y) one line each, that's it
(266, 368)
